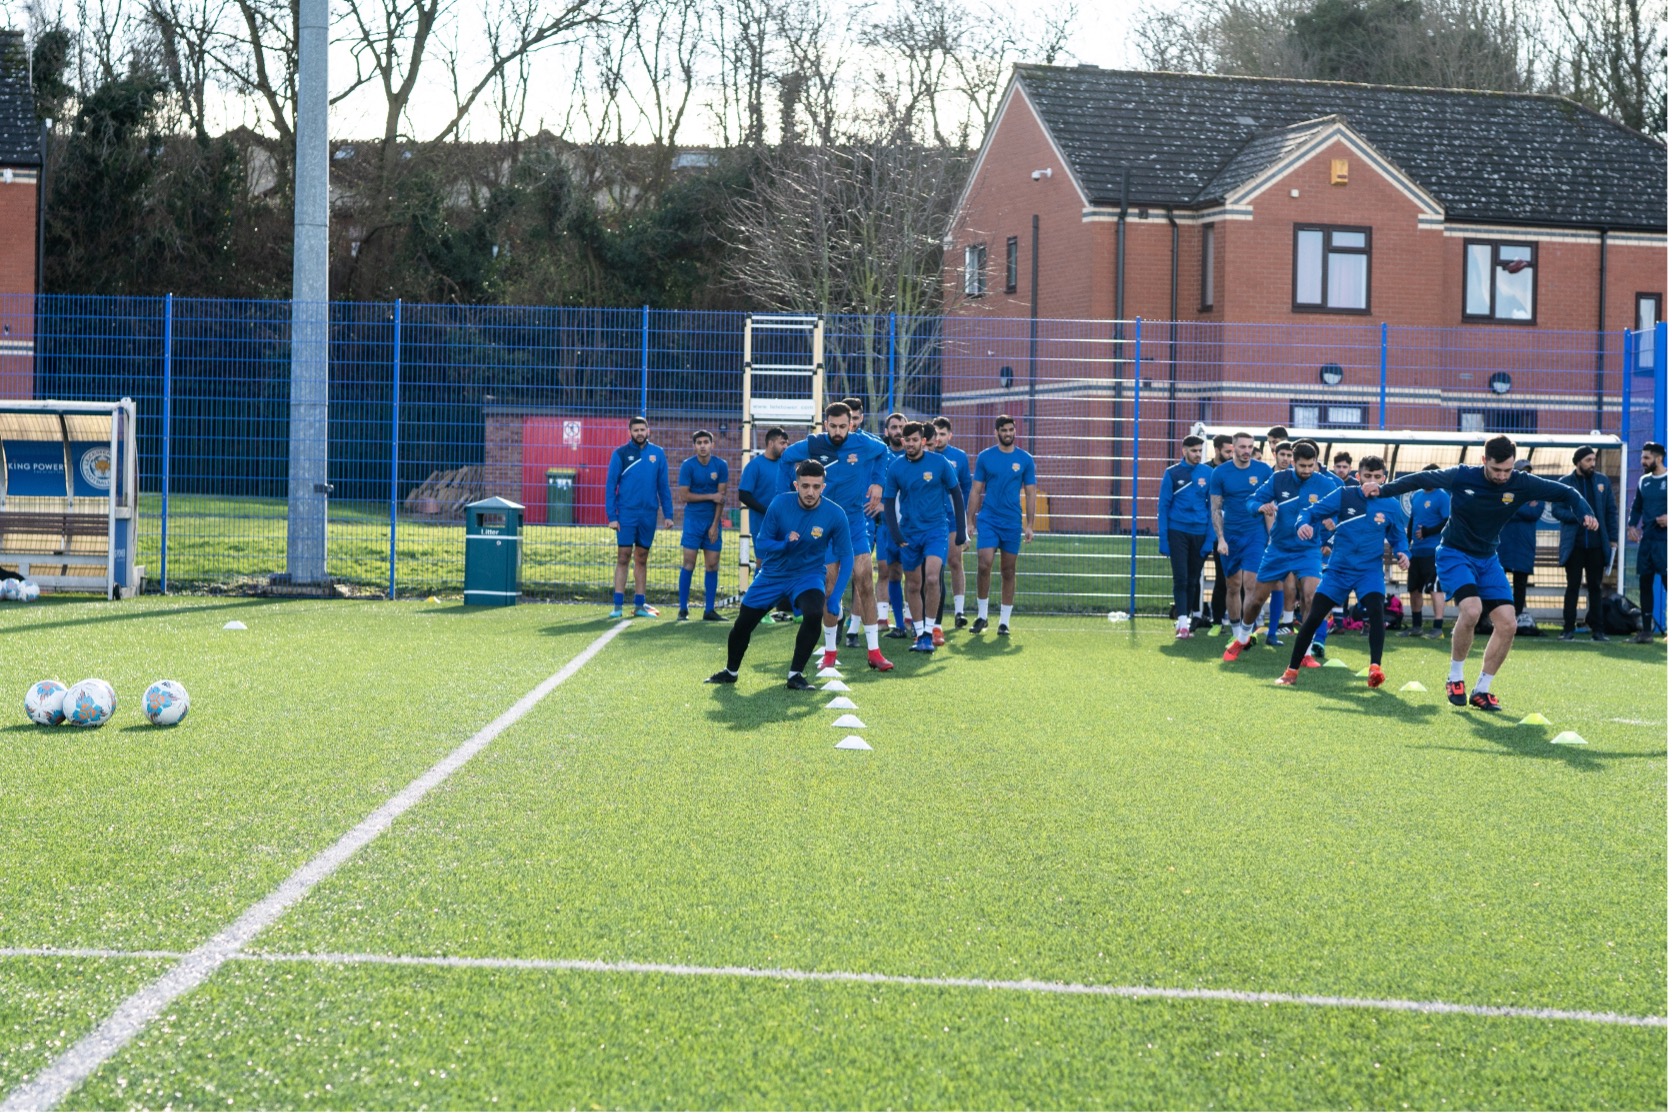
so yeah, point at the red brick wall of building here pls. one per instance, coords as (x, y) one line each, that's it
(17, 284)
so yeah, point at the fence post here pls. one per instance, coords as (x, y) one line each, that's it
(1382, 395)
(1660, 381)
(891, 337)
(168, 425)
(644, 362)
(394, 446)
(1627, 362)
(1132, 495)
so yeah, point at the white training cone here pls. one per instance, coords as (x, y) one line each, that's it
(849, 722)
(235, 625)
(835, 685)
(1568, 737)
(853, 742)
(841, 702)
(829, 673)
(1413, 686)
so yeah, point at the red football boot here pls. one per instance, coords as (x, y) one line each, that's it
(878, 661)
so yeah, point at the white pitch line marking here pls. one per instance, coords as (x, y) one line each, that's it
(1022, 985)
(55, 1082)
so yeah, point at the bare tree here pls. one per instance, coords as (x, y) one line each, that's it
(187, 33)
(1611, 56)
(740, 34)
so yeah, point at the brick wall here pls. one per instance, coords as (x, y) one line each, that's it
(17, 278)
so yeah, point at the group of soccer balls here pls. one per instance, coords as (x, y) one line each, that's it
(18, 590)
(92, 702)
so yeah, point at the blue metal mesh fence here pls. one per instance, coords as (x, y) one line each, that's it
(432, 407)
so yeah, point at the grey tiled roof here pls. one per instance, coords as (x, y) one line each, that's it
(20, 135)
(1507, 157)
(1258, 154)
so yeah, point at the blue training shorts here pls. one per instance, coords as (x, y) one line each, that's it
(635, 535)
(1246, 552)
(1459, 571)
(887, 550)
(1006, 538)
(918, 548)
(697, 539)
(1277, 565)
(1651, 558)
(766, 591)
(1342, 581)
(859, 531)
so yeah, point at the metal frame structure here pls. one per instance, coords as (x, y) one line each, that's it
(805, 411)
(121, 577)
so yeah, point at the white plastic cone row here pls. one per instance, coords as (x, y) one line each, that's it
(853, 742)
(829, 673)
(841, 702)
(235, 625)
(849, 722)
(835, 685)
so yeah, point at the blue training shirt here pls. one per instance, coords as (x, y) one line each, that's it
(1648, 503)
(1479, 508)
(1363, 525)
(1002, 475)
(966, 480)
(1429, 512)
(636, 485)
(1234, 485)
(762, 481)
(699, 478)
(1184, 498)
(851, 466)
(916, 492)
(821, 537)
(1292, 496)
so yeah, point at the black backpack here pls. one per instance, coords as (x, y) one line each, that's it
(1619, 616)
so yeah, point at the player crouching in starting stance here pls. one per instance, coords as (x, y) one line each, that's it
(1355, 563)
(800, 532)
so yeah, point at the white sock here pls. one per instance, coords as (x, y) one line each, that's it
(981, 608)
(1288, 617)
(1004, 613)
(882, 613)
(853, 623)
(957, 603)
(830, 637)
(1484, 683)
(1456, 675)
(1182, 622)
(871, 638)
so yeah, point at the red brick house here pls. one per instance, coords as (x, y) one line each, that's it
(1310, 207)
(20, 174)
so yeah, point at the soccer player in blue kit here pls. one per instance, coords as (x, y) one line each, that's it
(1182, 528)
(1283, 496)
(1239, 530)
(942, 445)
(1648, 509)
(1483, 499)
(889, 588)
(1429, 513)
(635, 489)
(1363, 529)
(853, 465)
(762, 481)
(800, 534)
(1004, 476)
(702, 488)
(918, 486)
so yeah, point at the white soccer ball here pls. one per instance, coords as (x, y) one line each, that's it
(166, 703)
(44, 702)
(89, 703)
(10, 588)
(28, 591)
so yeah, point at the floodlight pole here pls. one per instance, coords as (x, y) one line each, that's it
(310, 301)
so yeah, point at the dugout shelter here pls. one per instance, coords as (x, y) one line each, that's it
(1551, 456)
(69, 493)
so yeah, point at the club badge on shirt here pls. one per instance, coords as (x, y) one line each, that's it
(818, 533)
(927, 476)
(1016, 468)
(713, 475)
(853, 460)
(1509, 498)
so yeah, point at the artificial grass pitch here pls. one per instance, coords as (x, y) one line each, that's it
(1083, 803)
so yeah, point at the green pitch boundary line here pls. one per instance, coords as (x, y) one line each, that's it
(777, 974)
(55, 1082)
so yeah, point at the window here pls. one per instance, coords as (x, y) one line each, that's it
(1208, 268)
(1498, 280)
(1332, 268)
(1010, 264)
(975, 270)
(1313, 416)
(1648, 313)
(1498, 421)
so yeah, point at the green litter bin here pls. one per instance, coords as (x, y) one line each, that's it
(492, 552)
(560, 496)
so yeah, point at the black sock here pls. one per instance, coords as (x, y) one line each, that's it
(1376, 620)
(811, 632)
(1646, 592)
(738, 642)
(1315, 618)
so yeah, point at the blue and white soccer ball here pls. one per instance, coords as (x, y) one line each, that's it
(89, 703)
(166, 703)
(10, 588)
(28, 591)
(44, 702)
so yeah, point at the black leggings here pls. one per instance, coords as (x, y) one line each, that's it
(1375, 624)
(1218, 601)
(811, 605)
(1519, 580)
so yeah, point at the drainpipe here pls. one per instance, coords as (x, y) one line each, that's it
(1602, 325)
(1120, 336)
(1173, 336)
